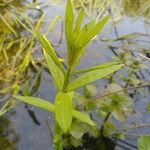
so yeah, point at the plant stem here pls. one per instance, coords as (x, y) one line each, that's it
(106, 118)
(66, 82)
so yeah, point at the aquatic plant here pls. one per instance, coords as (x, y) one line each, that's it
(73, 111)
(77, 38)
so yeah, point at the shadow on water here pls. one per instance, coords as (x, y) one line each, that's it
(30, 123)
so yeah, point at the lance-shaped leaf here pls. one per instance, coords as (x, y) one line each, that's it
(101, 66)
(69, 22)
(49, 49)
(92, 76)
(94, 30)
(57, 74)
(64, 110)
(50, 107)
(36, 102)
(78, 22)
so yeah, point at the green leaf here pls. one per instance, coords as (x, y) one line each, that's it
(94, 132)
(148, 107)
(53, 62)
(94, 31)
(93, 76)
(57, 133)
(78, 43)
(77, 130)
(25, 63)
(50, 107)
(49, 49)
(86, 34)
(90, 90)
(78, 48)
(69, 22)
(144, 143)
(78, 22)
(75, 142)
(101, 66)
(36, 102)
(64, 110)
(109, 128)
(57, 74)
(8, 105)
(83, 117)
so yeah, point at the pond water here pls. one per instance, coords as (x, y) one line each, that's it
(26, 134)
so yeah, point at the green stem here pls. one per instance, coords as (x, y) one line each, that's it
(106, 118)
(66, 82)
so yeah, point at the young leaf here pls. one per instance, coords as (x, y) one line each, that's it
(78, 22)
(56, 73)
(93, 76)
(36, 102)
(63, 110)
(94, 31)
(83, 117)
(86, 34)
(69, 22)
(49, 49)
(144, 143)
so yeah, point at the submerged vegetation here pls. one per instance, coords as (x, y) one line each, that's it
(83, 115)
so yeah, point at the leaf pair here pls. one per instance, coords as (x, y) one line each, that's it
(63, 109)
(77, 38)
